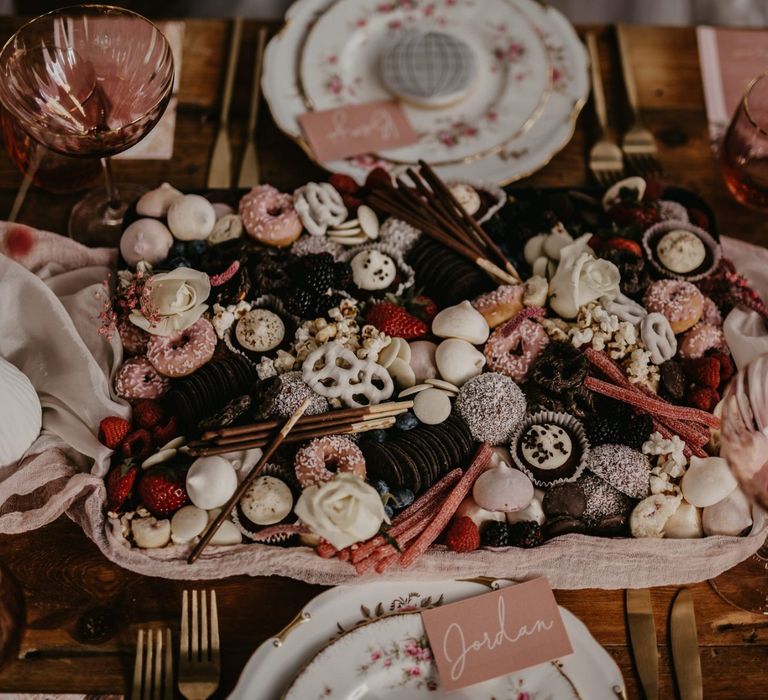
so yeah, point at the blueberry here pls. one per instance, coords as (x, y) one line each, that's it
(403, 498)
(197, 247)
(390, 511)
(178, 250)
(382, 487)
(377, 435)
(406, 421)
(179, 262)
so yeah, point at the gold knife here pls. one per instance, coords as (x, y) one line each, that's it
(642, 633)
(685, 647)
(249, 168)
(220, 171)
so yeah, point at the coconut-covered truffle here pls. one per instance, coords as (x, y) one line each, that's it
(623, 468)
(492, 405)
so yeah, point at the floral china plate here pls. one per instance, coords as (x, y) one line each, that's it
(340, 65)
(518, 158)
(273, 669)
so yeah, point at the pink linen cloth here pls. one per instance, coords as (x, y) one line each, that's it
(52, 291)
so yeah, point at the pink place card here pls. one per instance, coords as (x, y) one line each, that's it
(353, 130)
(496, 634)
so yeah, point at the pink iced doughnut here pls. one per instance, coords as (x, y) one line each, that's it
(314, 459)
(700, 339)
(513, 347)
(138, 379)
(134, 339)
(182, 353)
(681, 302)
(711, 314)
(269, 216)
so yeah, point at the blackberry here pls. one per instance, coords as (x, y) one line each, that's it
(326, 302)
(302, 303)
(342, 273)
(526, 533)
(602, 430)
(315, 273)
(494, 534)
(673, 381)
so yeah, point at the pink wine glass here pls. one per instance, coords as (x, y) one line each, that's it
(89, 81)
(744, 444)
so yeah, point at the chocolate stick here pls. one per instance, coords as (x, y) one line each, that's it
(247, 481)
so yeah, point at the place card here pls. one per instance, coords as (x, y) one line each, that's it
(496, 634)
(353, 130)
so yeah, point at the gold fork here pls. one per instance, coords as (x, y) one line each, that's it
(638, 144)
(605, 159)
(153, 669)
(199, 666)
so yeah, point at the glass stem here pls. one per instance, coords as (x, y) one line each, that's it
(109, 181)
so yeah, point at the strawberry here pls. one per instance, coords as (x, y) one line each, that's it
(138, 444)
(119, 483)
(462, 535)
(627, 244)
(376, 178)
(423, 307)
(165, 432)
(343, 184)
(698, 218)
(148, 413)
(112, 431)
(727, 369)
(162, 492)
(632, 213)
(351, 202)
(653, 190)
(704, 398)
(395, 320)
(704, 372)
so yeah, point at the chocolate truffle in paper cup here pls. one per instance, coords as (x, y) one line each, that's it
(680, 250)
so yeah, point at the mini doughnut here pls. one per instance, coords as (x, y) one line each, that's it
(183, 352)
(513, 348)
(711, 314)
(501, 304)
(269, 216)
(681, 302)
(138, 379)
(702, 338)
(134, 339)
(658, 337)
(312, 461)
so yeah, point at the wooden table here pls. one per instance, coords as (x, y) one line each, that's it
(82, 610)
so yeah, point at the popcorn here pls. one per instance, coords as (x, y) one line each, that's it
(266, 368)
(342, 328)
(670, 453)
(225, 316)
(640, 369)
(556, 328)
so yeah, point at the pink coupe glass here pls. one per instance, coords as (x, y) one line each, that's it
(89, 81)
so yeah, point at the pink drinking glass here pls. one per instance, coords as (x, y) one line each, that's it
(89, 81)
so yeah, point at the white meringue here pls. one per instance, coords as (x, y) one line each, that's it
(156, 202)
(423, 360)
(731, 516)
(150, 533)
(503, 488)
(21, 415)
(468, 508)
(707, 481)
(227, 534)
(684, 523)
(458, 361)
(211, 481)
(191, 217)
(187, 523)
(145, 239)
(532, 512)
(462, 321)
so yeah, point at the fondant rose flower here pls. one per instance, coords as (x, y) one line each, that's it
(581, 278)
(343, 511)
(172, 301)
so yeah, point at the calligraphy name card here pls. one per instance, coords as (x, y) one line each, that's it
(496, 634)
(356, 129)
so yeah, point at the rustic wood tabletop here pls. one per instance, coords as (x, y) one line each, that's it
(82, 611)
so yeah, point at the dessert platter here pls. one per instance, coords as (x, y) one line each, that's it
(492, 95)
(541, 388)
(343, 621)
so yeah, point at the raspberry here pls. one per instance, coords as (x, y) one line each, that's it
(376, 178)
(343, 184)
(526, 533)
(698, 218)
(137, 444)
(653, 190)
(673, 380)
(726, 366)
(703, 398)
(148, 414)
(164, 433)
(494, 534)
(704, 372)
(626, 244)
(462, 535)
(112, 431)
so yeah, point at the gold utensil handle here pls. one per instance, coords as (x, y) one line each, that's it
(642, 632)
(685, 647)
(256, 87)
(229, 79)
(626, 67)
(598, 94)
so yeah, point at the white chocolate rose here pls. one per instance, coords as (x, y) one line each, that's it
(172, 301)
(343, 511)
(581, 278)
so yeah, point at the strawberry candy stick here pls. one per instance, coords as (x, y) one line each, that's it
(451, 504)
